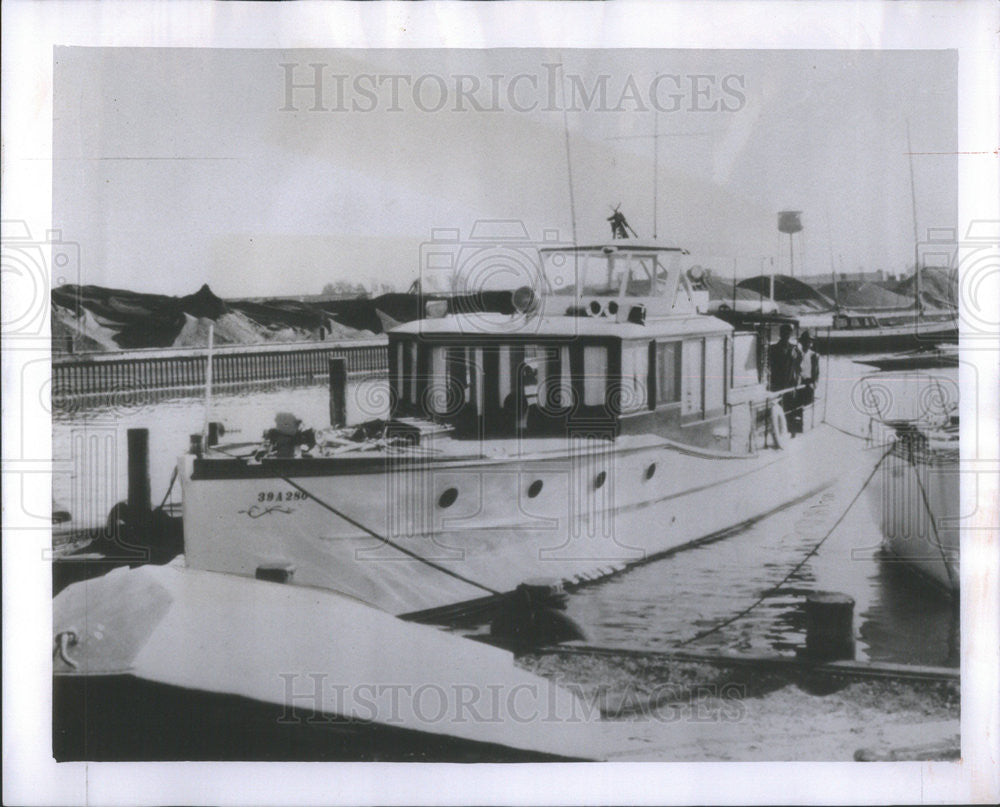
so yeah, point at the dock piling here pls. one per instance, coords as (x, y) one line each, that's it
(829, 626)
(338, 392)
(140, 503)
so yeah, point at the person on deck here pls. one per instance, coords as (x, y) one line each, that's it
(808, 368)
(784, 359)
(808, 375)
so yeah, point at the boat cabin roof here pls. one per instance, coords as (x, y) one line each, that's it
(528, 328)
(617, 245)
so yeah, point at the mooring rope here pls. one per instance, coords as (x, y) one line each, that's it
(387, 541)
(930, 515)
(170, 488)
(847, 432)
(730, 620)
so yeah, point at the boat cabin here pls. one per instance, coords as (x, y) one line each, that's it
(844, 322)
(614, 345)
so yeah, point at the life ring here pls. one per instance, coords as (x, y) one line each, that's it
(779, 425)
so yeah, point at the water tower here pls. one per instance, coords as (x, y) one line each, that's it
(789, 222)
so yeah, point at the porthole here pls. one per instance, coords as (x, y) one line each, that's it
(600, 479)
(534, 488)
(613, 308)
(447, 498)
(651, 470)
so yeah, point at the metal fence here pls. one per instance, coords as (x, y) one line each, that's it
(179, 368)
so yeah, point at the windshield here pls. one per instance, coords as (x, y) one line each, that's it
(611, 274)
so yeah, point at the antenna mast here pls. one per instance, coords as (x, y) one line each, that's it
(916, 231)
(656, 167)
(569, 162)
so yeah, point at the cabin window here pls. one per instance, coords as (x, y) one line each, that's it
(635, 371)
(464, 377)
(715, 373)
(539, 374)
(595, 375)
(411, 378)
(745, 360)
(693, 379)
(443, 397)
(504, 385)
(398, 381)
(668, 372)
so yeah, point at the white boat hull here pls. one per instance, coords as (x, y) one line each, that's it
(917, 499)
(495, 532)
(313, 672)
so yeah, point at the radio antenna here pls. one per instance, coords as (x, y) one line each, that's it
(569, 161)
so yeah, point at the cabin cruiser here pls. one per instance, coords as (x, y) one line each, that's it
(600, 424)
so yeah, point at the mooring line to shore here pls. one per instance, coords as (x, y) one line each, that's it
(389, 542)
(773, 589)
(170, 488)
(371, 532)
(697, 637)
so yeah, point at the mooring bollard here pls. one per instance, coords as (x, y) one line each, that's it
(140, 502)
(338, 392)
(829, 626)
(532, 616)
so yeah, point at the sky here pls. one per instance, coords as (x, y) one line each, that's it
(178, 167)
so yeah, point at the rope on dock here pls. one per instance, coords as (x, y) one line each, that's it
(730, 620)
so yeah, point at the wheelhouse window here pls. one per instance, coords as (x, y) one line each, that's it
(668, 372)
(611, 273)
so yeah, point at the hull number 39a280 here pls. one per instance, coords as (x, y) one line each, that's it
(281, 496)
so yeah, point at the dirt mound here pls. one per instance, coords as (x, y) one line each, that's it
(938, 287)
(115, 319)
(862, 295)
(792, 295)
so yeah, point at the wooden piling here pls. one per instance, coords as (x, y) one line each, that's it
(140, 502)
(338, 392)
(215, 431)
(829, 626)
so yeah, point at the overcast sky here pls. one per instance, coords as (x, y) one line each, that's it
(175, 168)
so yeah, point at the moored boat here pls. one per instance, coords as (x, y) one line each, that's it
(603, 423)
(851, 332)
(916, 496)
(929, 358)
(171, 663)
